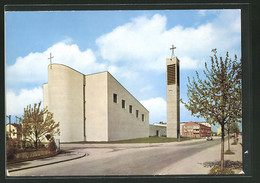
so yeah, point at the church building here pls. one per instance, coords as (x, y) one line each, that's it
(93, 107)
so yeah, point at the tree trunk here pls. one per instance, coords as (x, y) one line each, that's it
(222, 148)
(36, 136)
(228, 141)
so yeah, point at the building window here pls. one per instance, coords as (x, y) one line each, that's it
(142, 117)
(137, 113)
(123, 104)
(130, 109)
(115, 98)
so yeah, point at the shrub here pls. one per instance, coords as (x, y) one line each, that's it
(216, 170)
(41, 145)
(52, 145)
(28, 145)
(10, 150)
(20, 145)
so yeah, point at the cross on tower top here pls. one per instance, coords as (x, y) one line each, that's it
(50, 58)
(172, 48)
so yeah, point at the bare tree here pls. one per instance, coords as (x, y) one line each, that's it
(37, 123)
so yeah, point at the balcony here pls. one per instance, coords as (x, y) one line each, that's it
(196, 131)
(196, 127)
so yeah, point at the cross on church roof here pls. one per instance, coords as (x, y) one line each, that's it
(50, 58)
(172, 48)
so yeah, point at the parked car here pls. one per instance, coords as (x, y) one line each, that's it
(209, 138)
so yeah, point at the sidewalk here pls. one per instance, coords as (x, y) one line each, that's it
(195, 162)
(67, 156)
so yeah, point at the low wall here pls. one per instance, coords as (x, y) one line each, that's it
(31, 155)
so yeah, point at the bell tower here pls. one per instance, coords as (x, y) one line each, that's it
(173, 96)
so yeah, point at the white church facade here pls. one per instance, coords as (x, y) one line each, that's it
(93, 107)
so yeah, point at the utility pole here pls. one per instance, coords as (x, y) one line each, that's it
(9, 116)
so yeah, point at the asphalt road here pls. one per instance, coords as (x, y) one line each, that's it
(121, 159)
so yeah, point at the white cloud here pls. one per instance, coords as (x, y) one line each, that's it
(231, 19)
(132, 40)
(15, 103)
(145, 41)
(188, 63)
(33, 67)
(122, 72)
(146, 89)
(157, 109)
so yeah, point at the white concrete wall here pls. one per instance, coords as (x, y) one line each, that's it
(65, 95)
(153, 129)
(65, 101)
(45, 95)
(96, 107)
(122, 124)
(45, 102)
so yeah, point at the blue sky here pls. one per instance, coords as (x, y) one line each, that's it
(131, 45)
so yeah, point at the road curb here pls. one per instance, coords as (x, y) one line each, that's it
(81, 155)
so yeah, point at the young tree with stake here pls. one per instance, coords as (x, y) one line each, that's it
(218, 97)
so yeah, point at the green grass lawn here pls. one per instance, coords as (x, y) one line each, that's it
(151, 140)
(144, 140)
